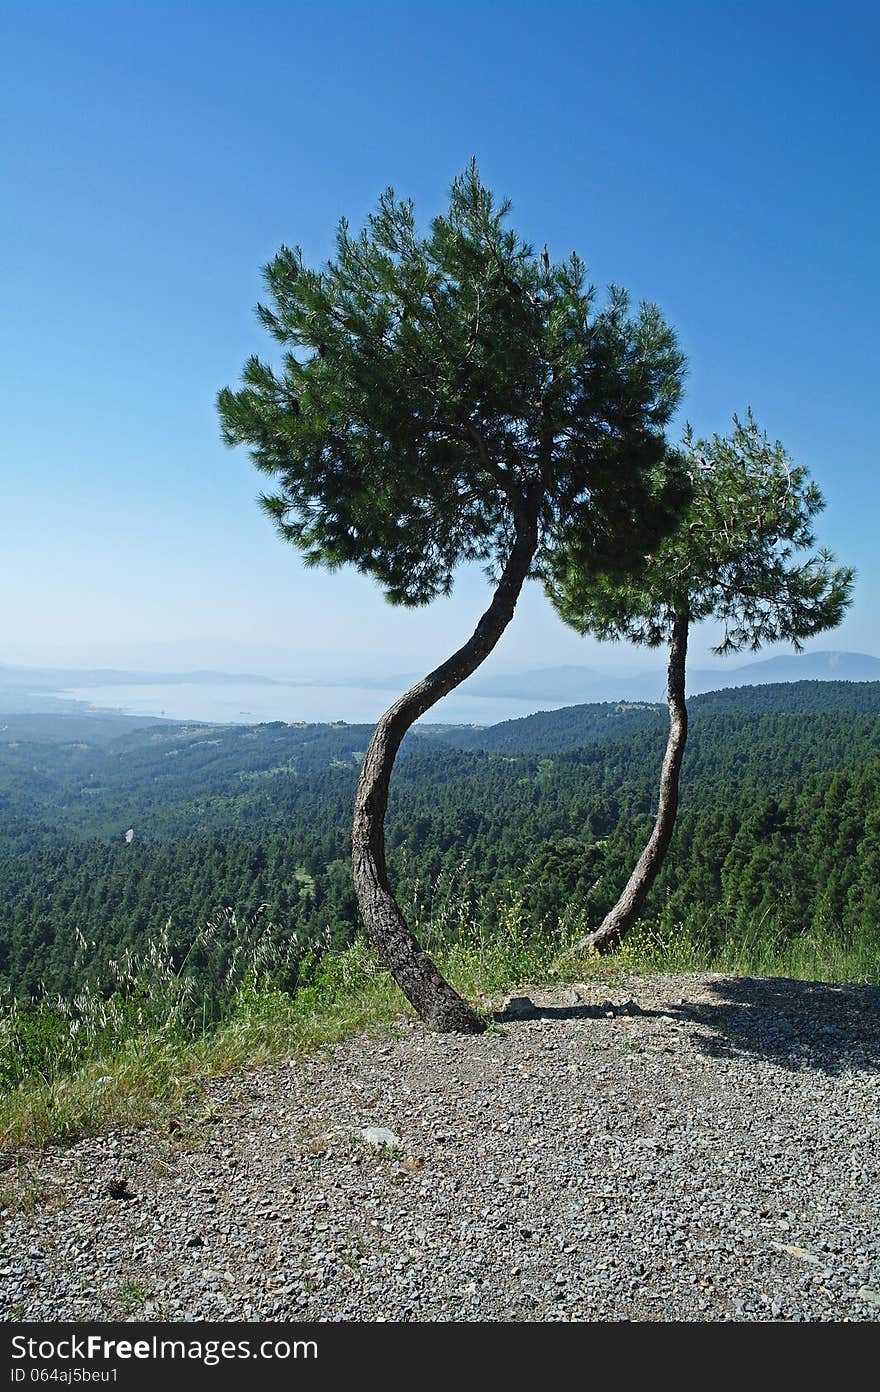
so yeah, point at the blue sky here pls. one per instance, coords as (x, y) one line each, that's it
(721, 159)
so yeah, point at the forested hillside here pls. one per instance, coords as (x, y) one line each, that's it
(574, 726)
(779, 824)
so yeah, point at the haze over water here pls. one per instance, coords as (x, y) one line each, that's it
(251, 703)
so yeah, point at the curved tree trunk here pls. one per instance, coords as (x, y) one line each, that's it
(628, 907)
(428, 992)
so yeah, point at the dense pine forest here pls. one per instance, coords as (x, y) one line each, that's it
(779, 826)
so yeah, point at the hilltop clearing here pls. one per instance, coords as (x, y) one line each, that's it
(677, 1147)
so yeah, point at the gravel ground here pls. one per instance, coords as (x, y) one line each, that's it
(707, 1151)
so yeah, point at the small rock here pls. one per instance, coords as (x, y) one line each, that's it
(378, 1137)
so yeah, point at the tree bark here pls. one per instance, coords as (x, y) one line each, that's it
(441, 1007)
(626, 911)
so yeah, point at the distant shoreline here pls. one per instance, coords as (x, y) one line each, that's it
(306, 703)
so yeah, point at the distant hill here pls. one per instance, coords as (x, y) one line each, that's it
(72, 724)
(584, 685)
(572, 727)
(794, 667)
(575, 727)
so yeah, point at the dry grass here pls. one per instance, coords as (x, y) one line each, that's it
(118, 1064)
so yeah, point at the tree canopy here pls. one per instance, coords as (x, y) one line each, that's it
(736, 556)
(433, 388)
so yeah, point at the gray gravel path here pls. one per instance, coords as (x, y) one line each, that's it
(709, 1152)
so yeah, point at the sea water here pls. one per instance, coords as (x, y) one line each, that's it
(251, 703)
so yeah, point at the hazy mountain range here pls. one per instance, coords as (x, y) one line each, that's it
(63, 678)
(579, 685)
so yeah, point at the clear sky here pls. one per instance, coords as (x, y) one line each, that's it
(721, 159)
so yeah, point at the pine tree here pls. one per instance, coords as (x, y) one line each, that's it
(736, 558)
(451, 398)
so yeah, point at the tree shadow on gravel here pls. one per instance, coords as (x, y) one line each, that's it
(795, 1024)
(557, 1012)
